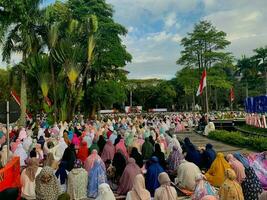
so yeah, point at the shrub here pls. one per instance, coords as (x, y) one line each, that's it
(238, 139)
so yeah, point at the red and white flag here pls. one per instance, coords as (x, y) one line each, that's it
(203, 83)
(17, 99)
(232, 95)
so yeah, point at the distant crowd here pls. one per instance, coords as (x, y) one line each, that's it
(132, 156)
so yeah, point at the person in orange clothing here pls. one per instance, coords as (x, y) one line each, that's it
(216, 174)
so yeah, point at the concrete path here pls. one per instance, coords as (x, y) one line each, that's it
(201, 141)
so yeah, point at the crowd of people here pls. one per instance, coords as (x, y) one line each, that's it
(138, 157)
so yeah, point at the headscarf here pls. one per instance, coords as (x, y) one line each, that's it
(186, 175)
(47, 187)
(175, 158)
(94, 146)
(159, 154)
(61, 172)
(215, 175)
(22, 154)
(101, 143)
(105, 193)
(97, 176)
(152, 174)
(129, 173)
(32, 167)
(121, 146)
(192, 155)
(69, 156)
(137, 156)
(251, 186)
(174, 142)
(83, 151)
(203, 188)
(139, 191)
(89, 162)
(117, 140)
(108, 151)
(258, 162)
(77, 181)
(166, 192)
(41, 141)
(147, 149)
(237, 167)
(209, 156)
(14, 145)
(119, 162)
(242, 159)
(49, 161)
(22, 134)
(60, 149)
(230, 189)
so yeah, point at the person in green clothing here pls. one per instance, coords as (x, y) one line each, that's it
(94, 146)
(147, 149)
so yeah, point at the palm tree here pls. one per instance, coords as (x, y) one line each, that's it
(19, 27)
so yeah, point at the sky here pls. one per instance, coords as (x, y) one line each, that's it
(155, 28)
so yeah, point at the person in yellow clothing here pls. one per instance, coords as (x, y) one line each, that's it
(230, 189)
(215, 175)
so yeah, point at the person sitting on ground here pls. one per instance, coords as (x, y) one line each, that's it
(129, 173)
(147, 149)
(237, 167)
(160, 155)
(209, 128)
(152, 174)
(77, 182)
(138, 190)
(203, 188)
(187, 173)
(27, 179)
(105, 193)
(215, 175)
(137, 156)
(208, 156)
(230, 189)
(165, 191)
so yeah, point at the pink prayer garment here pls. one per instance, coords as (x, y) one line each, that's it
(264, 121)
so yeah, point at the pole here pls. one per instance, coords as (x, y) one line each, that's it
(207, 102)
(7, 127)
(131, 98)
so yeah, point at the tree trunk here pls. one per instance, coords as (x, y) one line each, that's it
(216, 98)
(54, 90)
(23, 99)
(194, 102)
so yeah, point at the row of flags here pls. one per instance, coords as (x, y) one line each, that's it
(203, 84)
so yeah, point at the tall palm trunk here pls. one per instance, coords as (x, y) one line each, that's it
(23, 98)
(54, 90)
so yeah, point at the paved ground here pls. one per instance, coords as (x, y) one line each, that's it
(201, 141)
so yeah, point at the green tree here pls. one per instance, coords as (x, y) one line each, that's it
(203, 47)
(19, 22)
(261, 57)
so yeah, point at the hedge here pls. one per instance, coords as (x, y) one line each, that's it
(253, 129)
(238, 139)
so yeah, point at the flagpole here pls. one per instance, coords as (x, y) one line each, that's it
(207, 102)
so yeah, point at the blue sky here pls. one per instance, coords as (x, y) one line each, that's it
(156, 27)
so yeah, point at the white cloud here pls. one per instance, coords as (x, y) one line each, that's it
(170, 20)
(244, 25)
